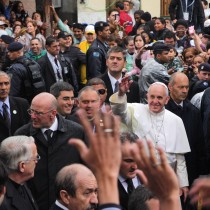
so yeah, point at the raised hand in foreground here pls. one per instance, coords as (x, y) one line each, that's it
(104, 153)
(200, 192)
(158, 175)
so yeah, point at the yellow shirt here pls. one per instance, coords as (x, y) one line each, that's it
(84, 46)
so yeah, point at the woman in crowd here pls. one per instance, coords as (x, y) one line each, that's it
(31, 32)
(160, 28)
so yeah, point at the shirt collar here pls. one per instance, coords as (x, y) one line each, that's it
(51, 57)
(180, 104)
(113, 80)
(53, 127)
(6, 102)
(60, 205)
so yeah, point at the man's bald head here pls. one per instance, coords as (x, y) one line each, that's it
(46, 99)
(43, 110)
(179, 87)
(76, 187)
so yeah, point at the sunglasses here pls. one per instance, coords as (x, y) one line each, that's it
(101, 91)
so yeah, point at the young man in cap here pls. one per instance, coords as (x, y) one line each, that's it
(73, 56)
(97, 53)
(202, 77)
(154, 70)
(24, 83)
(3, 25)
(5, 40)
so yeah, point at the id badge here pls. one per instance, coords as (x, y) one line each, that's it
(186, 15)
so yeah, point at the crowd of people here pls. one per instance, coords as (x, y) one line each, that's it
(110, 115)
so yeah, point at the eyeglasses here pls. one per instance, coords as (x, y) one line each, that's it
(39, 114)
(101, 91)
(37, 158)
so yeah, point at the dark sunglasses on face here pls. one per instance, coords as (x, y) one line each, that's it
(101, 91)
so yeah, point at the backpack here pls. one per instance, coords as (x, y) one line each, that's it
(34, 84)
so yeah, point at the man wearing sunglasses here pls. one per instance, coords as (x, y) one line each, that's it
(99, 85)
(89, 101)
(51, 133)
(19, 154)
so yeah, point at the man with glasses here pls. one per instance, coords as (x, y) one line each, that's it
(19, 154)
(116, 61)
(51, 133)
(64, 93)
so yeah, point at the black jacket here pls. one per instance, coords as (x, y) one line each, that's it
(96, 59)
(53, 157)
(21, 80)
(133, 95)
(77, 58)
(196, 16)
(48, 71)
(196, 160)
(19, 116)
(14, 201)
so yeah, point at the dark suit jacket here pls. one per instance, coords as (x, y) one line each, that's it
(19, 116)
(132, 97)
(196, 160)
(53, 157)
(48, 71)
(55, 207)
(14, 201)
(124, 197)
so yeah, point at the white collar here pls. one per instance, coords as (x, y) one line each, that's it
(5, 102)
(113, 80)
(53, 127)
(51, 57)
(60, 205)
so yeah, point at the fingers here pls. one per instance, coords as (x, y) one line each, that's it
(185, 191)
(142, 177)
(163, 158)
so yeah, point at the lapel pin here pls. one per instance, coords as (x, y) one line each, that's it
(14, 112)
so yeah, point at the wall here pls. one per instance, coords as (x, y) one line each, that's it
(92, 11)
(29, 6)
(152, 6)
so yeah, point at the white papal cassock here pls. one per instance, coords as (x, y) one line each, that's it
(165, 129)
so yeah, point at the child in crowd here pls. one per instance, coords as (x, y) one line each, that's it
(175, 64)
(140, 56)
(112, 41)
(130, 49)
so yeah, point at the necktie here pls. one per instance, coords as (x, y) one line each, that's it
(116, 87)
(48, 133)
(130, 186)
(6, 115)
(57, 69)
